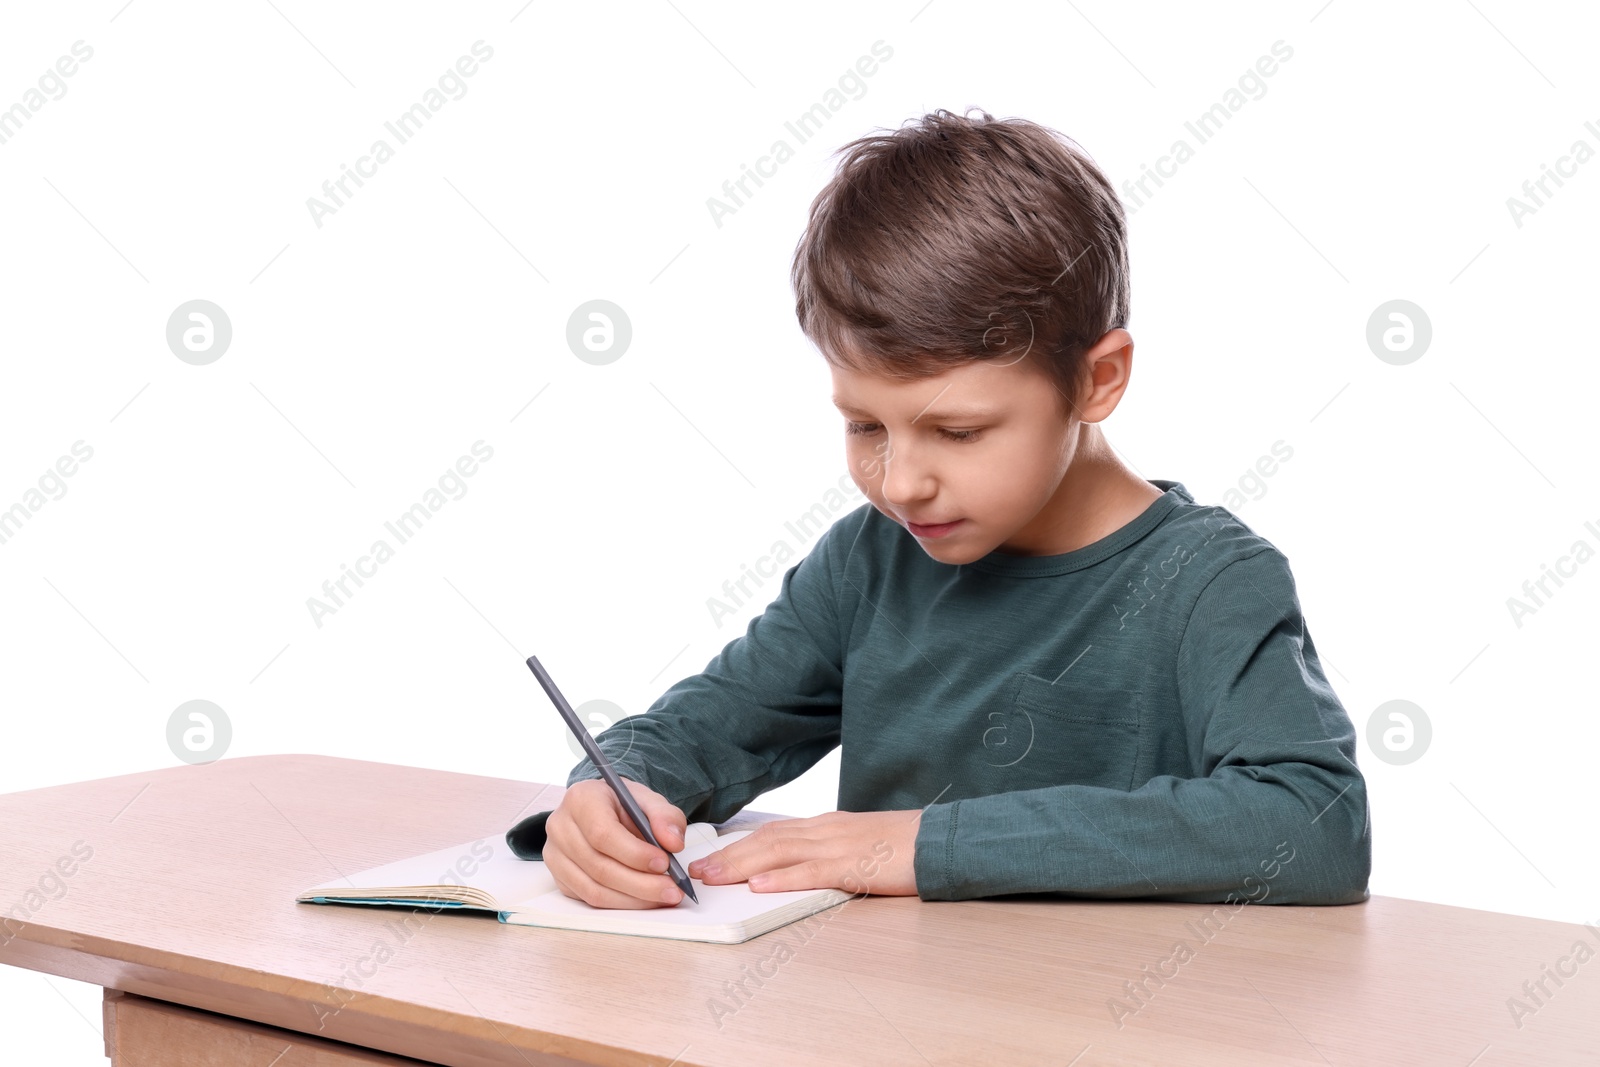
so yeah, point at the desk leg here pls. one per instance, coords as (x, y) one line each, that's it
(141, 1032)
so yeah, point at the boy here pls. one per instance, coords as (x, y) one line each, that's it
(1047, 674)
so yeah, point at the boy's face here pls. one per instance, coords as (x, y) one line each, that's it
(983, 445)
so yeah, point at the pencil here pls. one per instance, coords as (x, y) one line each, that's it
(630, 805)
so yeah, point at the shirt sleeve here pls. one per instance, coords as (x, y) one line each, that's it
(1276, 809)
(763, 712)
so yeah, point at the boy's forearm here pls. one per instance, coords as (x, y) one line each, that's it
(666, 769)
(1283, 834)
(699, 767)
(763, 711)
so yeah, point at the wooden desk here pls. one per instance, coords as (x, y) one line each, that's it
(184, 912)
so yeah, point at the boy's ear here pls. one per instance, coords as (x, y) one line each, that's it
(1108, 367)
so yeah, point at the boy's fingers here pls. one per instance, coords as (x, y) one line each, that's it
(734, 864)
(610, 831)
(587, 872)
(579, 883)
(666, 820)
(626, 879)
(669, 828)
(801, 876)
(640, 890)
(599, 825)
(618, 839)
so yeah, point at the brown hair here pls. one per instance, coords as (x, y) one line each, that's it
(956, 239)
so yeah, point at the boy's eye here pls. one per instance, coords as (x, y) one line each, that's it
(866, 429)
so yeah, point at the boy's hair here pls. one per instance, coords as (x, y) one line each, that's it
(956, 239)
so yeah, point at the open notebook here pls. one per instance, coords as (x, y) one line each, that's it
(483, 875)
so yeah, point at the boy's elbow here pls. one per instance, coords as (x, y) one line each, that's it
(1333, 851)
(1345, 883)
(1326, 892)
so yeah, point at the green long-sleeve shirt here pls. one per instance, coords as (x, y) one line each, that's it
(1145, 716)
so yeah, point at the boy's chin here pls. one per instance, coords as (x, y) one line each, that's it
(964, 550)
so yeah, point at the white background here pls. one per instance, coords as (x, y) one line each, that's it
(429, 312)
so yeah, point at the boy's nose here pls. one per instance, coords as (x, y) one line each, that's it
(907, 484)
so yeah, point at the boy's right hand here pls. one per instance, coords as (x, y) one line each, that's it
(598, 856)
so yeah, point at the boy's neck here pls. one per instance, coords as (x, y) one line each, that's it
(1098, 495)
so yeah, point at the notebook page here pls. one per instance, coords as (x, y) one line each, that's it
(720, 905)
(487, 864)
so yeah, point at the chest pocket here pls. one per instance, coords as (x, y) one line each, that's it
(1061, 734)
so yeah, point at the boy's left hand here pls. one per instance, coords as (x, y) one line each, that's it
(857, 851)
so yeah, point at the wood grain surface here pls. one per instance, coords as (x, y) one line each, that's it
(186, 895)
(141, 1032)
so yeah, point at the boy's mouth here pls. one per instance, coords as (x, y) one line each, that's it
(938, 529)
